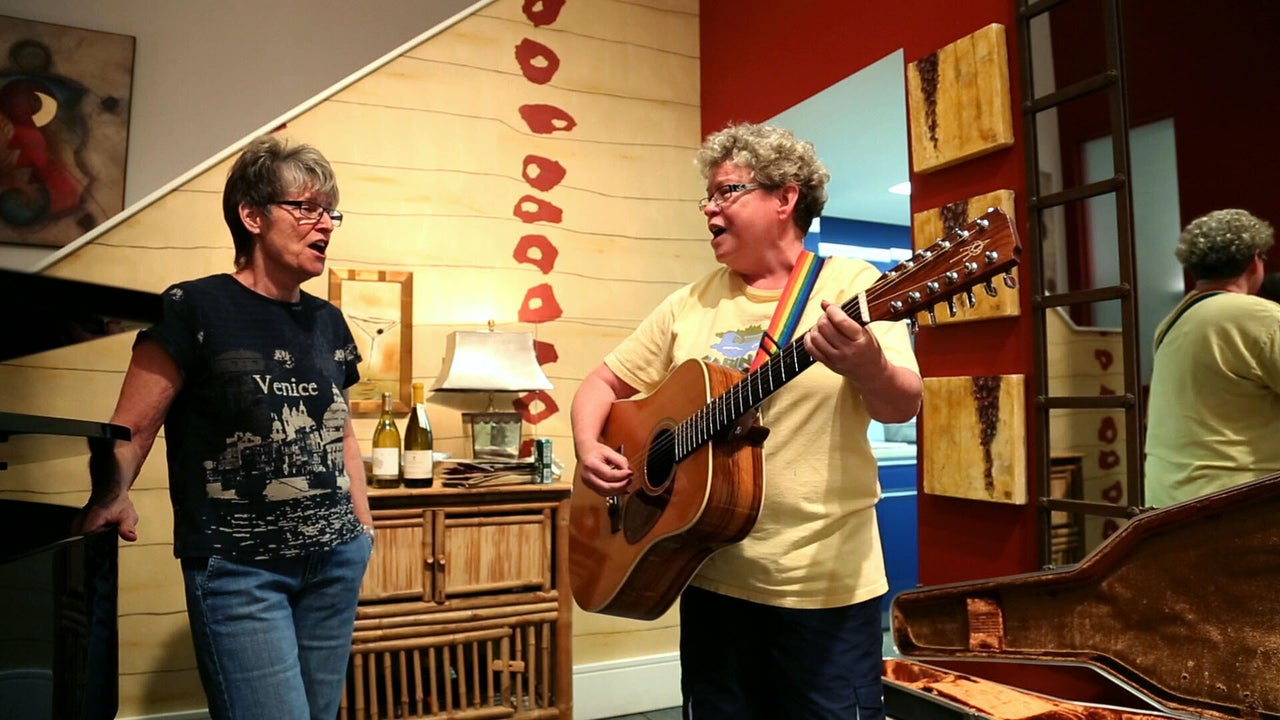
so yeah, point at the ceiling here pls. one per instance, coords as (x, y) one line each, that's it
(859, 128)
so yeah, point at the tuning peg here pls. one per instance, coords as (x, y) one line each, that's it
(969, 298)
(933, 319)
(913, 326)
(990, 287)
(951, 306)
(1010, 281)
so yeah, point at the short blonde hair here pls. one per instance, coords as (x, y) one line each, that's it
(1221, 244)
(775, 158)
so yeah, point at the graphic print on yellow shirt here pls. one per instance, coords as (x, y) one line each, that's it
(735, 348)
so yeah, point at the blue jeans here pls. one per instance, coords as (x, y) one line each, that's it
(748, 661)
(272, 637)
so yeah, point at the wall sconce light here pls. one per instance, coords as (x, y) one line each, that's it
(492, 362)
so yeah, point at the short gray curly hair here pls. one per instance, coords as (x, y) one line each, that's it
(775, 158)
(1221, 244)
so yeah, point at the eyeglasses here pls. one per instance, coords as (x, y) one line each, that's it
(725, 193)
(311, 212)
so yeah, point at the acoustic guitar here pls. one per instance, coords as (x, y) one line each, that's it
(695, 448)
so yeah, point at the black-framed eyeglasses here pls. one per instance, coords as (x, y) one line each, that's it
(311, 212)
(726, 193)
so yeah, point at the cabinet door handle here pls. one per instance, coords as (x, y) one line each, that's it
(439, 578)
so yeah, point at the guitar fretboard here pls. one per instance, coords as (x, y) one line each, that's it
(717, 416)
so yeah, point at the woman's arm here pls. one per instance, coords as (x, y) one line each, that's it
(353, 461)
(150, 385)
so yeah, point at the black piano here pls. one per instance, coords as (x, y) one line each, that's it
(58, 633)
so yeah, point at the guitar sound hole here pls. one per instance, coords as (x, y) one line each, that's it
(644, 507)
(660, 462)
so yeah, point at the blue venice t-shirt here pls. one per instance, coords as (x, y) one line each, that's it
(255, 451)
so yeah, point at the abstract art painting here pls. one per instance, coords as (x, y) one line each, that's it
(64, 127)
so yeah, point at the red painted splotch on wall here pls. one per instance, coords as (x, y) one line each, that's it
(534, 209)
(537, 61)
(537, 251)
(545, 119)
(540, 305)
(539, 64)
(545, 352)
(1109, 438)
(542, 12)
(541, 172)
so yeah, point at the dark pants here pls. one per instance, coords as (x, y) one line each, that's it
(745, 661)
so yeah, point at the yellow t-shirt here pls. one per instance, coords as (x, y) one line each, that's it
(815, 543)
(1213, 417)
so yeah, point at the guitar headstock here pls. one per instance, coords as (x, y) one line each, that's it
(969, 256)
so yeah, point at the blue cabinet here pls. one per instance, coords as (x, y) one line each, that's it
(896, 514)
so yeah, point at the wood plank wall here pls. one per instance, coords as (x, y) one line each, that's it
(430, 151)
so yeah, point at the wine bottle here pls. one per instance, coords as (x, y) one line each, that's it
(386, 449)
(418, 443)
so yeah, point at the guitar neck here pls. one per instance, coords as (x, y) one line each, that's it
(965, 257)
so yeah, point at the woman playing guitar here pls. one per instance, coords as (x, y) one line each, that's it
(785, 623)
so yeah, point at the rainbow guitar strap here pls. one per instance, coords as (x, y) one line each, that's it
(795, 295)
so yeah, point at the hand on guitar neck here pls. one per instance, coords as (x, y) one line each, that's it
(891, 394)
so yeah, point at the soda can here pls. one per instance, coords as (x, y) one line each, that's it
(542, 460)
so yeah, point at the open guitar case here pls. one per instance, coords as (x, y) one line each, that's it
(1177, 615)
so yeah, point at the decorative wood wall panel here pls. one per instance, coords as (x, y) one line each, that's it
(958, 101)
(975, 438)
(930, 225)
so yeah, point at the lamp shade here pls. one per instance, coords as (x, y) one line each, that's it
(491, 361)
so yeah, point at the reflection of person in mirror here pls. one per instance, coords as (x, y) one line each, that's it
(1214, 405)
(785, 623)
(248, 375)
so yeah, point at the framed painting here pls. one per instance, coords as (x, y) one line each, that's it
(378, 305)
(64, 127)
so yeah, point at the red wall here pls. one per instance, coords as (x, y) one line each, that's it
(1211, 71)
(759, 58)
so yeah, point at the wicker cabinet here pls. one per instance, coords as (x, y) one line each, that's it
(465, 609)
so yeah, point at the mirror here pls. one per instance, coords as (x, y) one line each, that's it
(1197, 112)
(859, 128)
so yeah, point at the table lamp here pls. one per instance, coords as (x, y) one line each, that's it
(492, 361)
